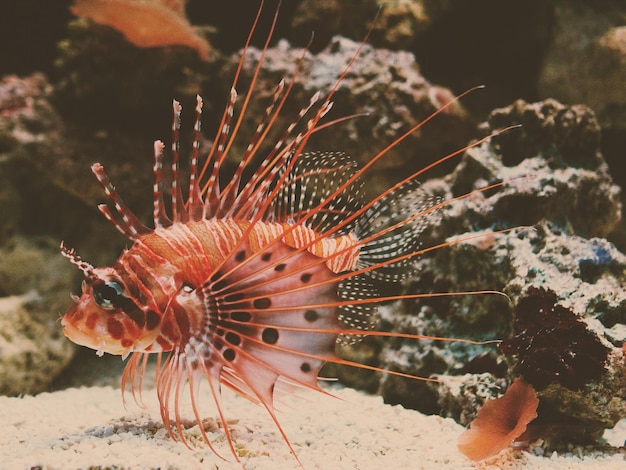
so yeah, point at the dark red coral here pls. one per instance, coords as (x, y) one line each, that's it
(553, 344)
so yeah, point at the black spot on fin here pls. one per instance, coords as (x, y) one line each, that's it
(265, 316)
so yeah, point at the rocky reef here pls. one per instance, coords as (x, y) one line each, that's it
(548, 233)
(562, 324)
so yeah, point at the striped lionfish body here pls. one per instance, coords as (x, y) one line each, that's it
(250, 283)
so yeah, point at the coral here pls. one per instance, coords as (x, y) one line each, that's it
(553, 344)
(500, 422)
(145, 23)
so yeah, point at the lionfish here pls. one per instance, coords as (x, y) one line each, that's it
(252, 283)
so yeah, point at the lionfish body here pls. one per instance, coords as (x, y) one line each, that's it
(249, 284)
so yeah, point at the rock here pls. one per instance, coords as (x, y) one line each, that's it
(557, 149)
(33, 292)
(553, 175)
(45, 162)
(26, 121)
(43, 202)
(586, 61)
(35, 160)
(568, 353)
(567, 327)
(107, 84)
(384, 94)
(398, 22)
(34, 279)
(454, 42)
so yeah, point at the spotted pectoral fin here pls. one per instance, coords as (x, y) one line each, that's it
(272, 313)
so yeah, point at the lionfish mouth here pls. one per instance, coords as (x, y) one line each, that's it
(90, 339)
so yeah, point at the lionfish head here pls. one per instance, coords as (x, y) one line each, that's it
(104, 317)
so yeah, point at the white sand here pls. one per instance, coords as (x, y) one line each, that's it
(79, 428)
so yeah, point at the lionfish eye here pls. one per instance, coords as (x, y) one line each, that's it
(106, 294)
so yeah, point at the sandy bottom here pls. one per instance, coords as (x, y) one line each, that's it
(89, 427)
